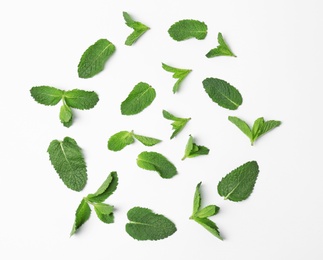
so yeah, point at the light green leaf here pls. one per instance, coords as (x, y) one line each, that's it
(67, 158)
(106, 189)
(139, 98)
(139, 29)
(269, 125)
(179, 74)
(186, 29)
(193, 150)
(197, 199)
(104, 212)
(242, 125)
(66, 115)
(208, 211)
(222, 93)
(221, 50)
(147, 141)
(147, 225)
(153, 161)
(82, 214)
(120, 140)
(239, 183)
(45, 95)
(94, 58)
(178, 124)
(256, 128)
(209, 225)
(81, 99)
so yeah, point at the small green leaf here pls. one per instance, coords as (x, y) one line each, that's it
(242, 125)
(94, 58)
(179, 74)
(222, 93)
(269, 125)
(81, 99)
(45, 95)
(82, 214)
(66, 115)
(208, 211)
(120, 140)
(139, 98)
(104, 212)
(139, 29)
(67, 158)
(209, 225)
(197, 199)
(186, 29)
(153, 161)
(147, 225)
(193, 150)
(239, 183)
(178, 124)
(221, 50)
(147, 141)
(106, 189)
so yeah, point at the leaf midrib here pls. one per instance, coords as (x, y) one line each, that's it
(90, 65)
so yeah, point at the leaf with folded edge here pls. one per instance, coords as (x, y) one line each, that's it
(186, 29)
(68, 161)
(94, 58)
(46, 95)
(82, 214)
(197, 199)
(239, 183)
(146, 225)
(221, 50)
(106, 189)
(104, 212)
(208, 211)
(138, 27)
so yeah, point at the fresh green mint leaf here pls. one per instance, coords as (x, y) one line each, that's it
(66, 115)
(82, 214)
(179, 74)
(201, 215)
(259, 128)
(68, 161)
(221, 50)
(120, 140)
(106, 189)
(146, 225)
(81, 99)
(138, 27)
(139, 98)
(193, 150)
(46, 95)
(186, 29)
(222, 93)
(239, 183)
(153, 161)
(178, 124)
(147, 141)
(94, 58)
(104, 212)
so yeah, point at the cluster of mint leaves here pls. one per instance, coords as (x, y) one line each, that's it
(68, 160)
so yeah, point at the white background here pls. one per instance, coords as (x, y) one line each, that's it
(278, 71)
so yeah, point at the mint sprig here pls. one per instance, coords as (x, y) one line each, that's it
(138, 27)
(179, 74)
(193, 150)
(178, 122)
(221, 50)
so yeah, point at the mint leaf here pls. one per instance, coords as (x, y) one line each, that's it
(66, 115)
(221, 50)
(178, 124)
(153, 161)
(193, 150)
(46, 95)
(81, 99)
(68, 161)
(222, 93)
(201, 215)
(186, 29)
(94, 58)
(82, 214)
(179, 74)
(260, 127)
(239, 183)
(120, 140)
(106, 189)
(139, 98)
(147, 141)
(139, 29)
(104, 212)
(147, 225)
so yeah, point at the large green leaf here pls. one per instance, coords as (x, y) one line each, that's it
(46, 95)
(186, 29)
(81, 99)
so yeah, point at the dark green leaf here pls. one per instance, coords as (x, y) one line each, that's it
(221, 50)
(45, 95)
(147, 225)
(186, 29)
(82, 214)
